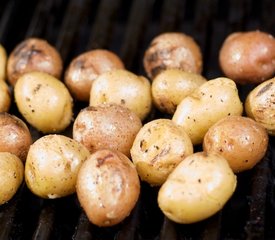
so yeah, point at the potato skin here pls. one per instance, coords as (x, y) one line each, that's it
(107, 187)
(197, 189)
(248, 57)
(240, 140)
(11, 175)
(159, 147)
(52, 166)
(5, 97)
(86, 67)
(260, 105)
(206, 105)
(3, 63)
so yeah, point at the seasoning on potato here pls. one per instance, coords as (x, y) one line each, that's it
(171, 86)
(11, 176)
(109, 126)
(3, 63)
(85, 68)
(44, 102)
(107, 187)
(260, 105)
(206, 105)
(33, 54)
(159, 147)
(52, 166)
(172, 50)
(125, 88)
(240, 140)
(5, 97)
(248, 57)
(198, 188)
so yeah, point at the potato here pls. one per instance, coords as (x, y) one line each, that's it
(171, 86)
(15, 136)
(3, 63)
(52, 166)
(248, 57)
(240, 140)
(107, 187)
(205, 106)
(159, 147)
(5, 97)
(85, 68)
(33, 54)
(198, 188)
(44, 101)
(107, 126)
(11, 176)
(172, 50)
(260, 105)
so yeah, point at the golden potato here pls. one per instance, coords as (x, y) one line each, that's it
(44, 101)
(240, 140)
(107, 187)
(52, 166)
(3, 63)
(5, 97)
(197, 189)
(159, 147)
(206, 105)
(11, 176)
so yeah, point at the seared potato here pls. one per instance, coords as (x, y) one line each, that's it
(198, 188)
(33, 54)
(52, 166)
(206, 105)
(3, 63)
(159, 147)
(107, 187)
(109, 126)
(11, 176)
(240, 140)
(171, 86)
(260, 105)
(44, 101)
(5, 97)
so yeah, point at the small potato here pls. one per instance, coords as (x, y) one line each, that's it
(3, 63)
(240, 140)
(11, 176)
(248, 57)
(107, 187)
(5, 97)
(198, 188)
(206, 105)
(33, 54)
(171, 86)
(85, 68)
(124, 88)
(52, 166)
(107, 126)
(15, 136)
(44, 101)
(159, 147)
(260, 105)
(172, 50)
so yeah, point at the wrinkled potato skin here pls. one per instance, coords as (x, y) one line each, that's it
(260, 105)
(15, 136)
(158, 148)
(107, 187)
(172, 50)
(197, 189)
(11, 176)
(124, 88)
(240, 140)
(52, 166)
(85, 68)
(44, 101)
(248, 57)
(3, 63)
(208, 104)
(171, 86)
(107, 126)
(5, 97)
(33, 54)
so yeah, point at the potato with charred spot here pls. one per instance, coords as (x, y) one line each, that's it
(5, 97)
(3, 63)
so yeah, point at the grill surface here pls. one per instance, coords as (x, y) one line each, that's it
(127, 27)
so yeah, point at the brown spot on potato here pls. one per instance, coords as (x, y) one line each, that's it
(101, 160)
(264, 89)
(163, 152)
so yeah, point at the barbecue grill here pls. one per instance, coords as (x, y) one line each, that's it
(127, 27)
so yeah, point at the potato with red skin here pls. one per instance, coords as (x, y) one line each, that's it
(248, 57)
(107, 187)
